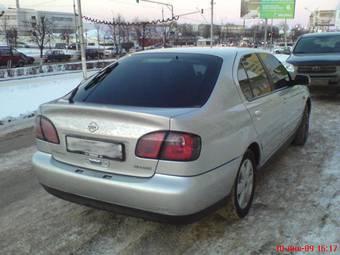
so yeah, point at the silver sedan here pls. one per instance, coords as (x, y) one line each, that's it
(171, 133)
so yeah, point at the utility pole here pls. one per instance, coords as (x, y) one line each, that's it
(170, 6)
(17, 4)
(212, 24)
(285, 33)
(164, 28)
(265, 33)
(75, 24)
(271, 34)
(82, 41)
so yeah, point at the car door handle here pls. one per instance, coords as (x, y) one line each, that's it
(258, 114)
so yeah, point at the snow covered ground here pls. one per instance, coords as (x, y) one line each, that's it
(22, 97)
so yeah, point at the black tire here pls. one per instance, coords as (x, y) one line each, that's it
(301, 135)
(20, 64)
(234, 210)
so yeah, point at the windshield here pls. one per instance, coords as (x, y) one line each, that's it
(321, 44)
(166, 80)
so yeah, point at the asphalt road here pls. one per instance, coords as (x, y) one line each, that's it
(297, 202)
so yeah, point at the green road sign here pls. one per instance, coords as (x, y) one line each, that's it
(277, 9)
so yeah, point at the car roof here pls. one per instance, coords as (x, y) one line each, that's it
(223, 52)
(322, 34)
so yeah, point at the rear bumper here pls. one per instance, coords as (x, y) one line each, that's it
(183, 197)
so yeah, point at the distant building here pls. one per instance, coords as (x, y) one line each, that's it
(21, 19)
(233, 29)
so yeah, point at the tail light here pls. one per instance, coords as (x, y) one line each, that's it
(45, 130)
(173, 146)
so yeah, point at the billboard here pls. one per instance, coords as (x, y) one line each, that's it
(277, 9)
(250, 9)
(268, 9)
(325, 18)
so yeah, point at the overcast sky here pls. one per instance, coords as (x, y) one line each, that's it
(225, 10)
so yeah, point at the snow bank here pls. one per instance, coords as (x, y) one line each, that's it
(19, 99)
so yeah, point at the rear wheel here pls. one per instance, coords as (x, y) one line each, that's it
(302, 133)
(243, 190)
(20, 64)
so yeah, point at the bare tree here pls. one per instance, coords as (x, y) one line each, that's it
(41, 32)
(98, 29)
(11, 37)
(113, 29)
(10, 33)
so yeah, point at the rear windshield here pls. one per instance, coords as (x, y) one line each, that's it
(321, 44)
(167, 80)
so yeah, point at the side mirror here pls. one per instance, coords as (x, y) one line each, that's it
(300, 80)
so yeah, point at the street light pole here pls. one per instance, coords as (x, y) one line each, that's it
(285, 31)
(265, 33)
(212, 24)
(75, 24)
(170, 6)
(82, 41)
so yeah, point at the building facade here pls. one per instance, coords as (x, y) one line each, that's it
(22, 19)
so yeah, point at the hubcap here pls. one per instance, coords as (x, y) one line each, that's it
(245, 182)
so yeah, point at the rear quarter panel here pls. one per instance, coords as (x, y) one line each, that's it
(223, 124)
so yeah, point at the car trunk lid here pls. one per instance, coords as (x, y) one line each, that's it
(104, 138)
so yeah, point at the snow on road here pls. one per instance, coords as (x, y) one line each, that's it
(24, 96)
(297, 203)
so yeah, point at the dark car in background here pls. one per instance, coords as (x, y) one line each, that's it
(93, 53)
(318, 56)
(74, 46)
(57, 56)
(60, 46)
(11, 57)
(28, 59)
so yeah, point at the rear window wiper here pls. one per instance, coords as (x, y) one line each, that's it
(100, 76)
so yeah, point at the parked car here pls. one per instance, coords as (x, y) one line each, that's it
(110, 52)
(93, 53)
(57, 56)
(283, 50)
(60, 46)
(318, 55)
(28, 59)
(171, 133)
(135, 49)
(10, 56)
(73, 46)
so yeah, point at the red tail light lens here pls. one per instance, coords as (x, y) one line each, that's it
(149, 145)
(181, 147)
(173, 146)
(46, 131)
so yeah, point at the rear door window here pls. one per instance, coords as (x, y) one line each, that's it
(257, 75)
(5, 52)
(167, 80)
(277, 71)
(244, 82)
